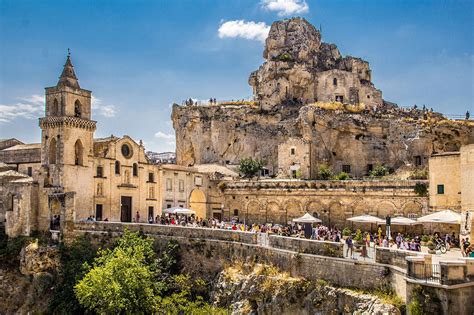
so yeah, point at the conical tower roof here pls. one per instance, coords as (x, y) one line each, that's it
(68, 77)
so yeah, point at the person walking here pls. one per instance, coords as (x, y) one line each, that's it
(350, 246)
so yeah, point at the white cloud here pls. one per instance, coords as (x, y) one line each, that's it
(286, 7)
(105, 110)
(243, 29)
(168, 138)
(31, 107)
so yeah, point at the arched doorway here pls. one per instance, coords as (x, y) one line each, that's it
(197, 202)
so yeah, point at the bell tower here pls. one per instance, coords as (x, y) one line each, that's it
(67, 132)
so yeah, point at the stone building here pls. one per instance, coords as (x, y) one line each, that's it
(451, 183)
(74, 175)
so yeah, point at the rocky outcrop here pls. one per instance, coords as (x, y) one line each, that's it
(318, 105)
(35, 259)
(261, 289)
(331, 135)
(300, 68)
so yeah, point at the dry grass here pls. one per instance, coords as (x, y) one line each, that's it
(248, 103)
(339, 106)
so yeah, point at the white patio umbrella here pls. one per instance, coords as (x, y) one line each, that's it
(445, 216)
(179, 210)
(403, 221)
(366, 218)
(307, 218)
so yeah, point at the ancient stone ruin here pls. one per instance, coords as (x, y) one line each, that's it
(312, 107)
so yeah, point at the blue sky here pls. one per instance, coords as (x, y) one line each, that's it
(138, 57)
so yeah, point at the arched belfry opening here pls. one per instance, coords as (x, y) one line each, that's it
(52, 150)
(77, 109)
(78, 153)
(55, 108)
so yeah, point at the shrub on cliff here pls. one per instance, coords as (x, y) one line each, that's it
(10, 250)
(378, 171)
(325, 172)
(250, 167)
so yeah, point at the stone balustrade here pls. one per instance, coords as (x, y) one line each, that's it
(322, 248)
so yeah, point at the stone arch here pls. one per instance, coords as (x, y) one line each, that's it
(314, 208)
(337, 216)
(360, 208)
(385, 208)
(198, 202)
(78, 153)
(52, 151)
(293, 209)
(77, 109)
(412, 208)
(252, 212)
(275, 214)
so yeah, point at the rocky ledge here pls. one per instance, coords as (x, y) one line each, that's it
(261, 289)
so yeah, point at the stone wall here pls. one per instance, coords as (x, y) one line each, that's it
(279, 201)
(170, 231)
(322, 248)
(395, 257)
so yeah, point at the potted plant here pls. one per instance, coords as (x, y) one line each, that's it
(358, 239)
(346, 232)
(424, 240)
(431, 247)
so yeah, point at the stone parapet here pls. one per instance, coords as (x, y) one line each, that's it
(170, 230)
(453, 272)
(385, 186)
(395, 257)
(322, 248)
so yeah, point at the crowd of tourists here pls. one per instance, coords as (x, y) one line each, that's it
(320, 232)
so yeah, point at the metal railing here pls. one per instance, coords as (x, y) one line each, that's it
(425, 272)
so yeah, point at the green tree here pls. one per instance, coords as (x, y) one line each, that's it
(325, 172)
(122, 280)
(378, 171)
(250, 167)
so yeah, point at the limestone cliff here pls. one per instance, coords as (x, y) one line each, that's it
(341, 136)
(262, 289)
(300, 68)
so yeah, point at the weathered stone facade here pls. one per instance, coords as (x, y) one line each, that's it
(280, 201)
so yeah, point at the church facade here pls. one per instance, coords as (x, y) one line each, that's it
(74, 176)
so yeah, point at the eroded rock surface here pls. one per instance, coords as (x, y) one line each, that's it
(264, 290)
(393, 137)
(300, 68)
